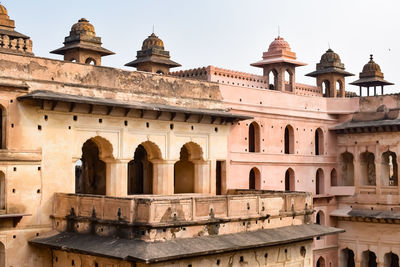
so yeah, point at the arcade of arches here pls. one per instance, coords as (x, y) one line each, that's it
(146, 172)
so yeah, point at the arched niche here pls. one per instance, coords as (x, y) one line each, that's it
(254, 137)
(289, 140)
(289, 180)
(254, 179)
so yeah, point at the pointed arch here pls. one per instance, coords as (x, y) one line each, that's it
(320, 262)
(289, 180)
(326, 88)
(289, 140)
(254, 137)
(347, 258)
(391, 260)
(368, 259)
(254, 179)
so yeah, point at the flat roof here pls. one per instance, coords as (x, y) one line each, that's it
(152, 252)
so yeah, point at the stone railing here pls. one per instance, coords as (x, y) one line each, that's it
(190, 209)
(18, 45)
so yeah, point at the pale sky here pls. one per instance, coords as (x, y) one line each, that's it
(225, 33)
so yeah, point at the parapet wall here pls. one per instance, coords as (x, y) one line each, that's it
(96, 81)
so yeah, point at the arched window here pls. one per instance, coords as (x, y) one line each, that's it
(346, 162)
(368, 259)
(273, 79)
(140, 173)
(326, 88)
(321, 262)
(289, 180)
(391, 260)
(254, 137)
(319, 182)
(289, 140)
(2, 191)
(389, 169)
(319, 142)
(90, 171)
(334, 178)
(254, 179)
(347, 258)
(368, 174)
(160, 72)
(288, 81)
(90, 61)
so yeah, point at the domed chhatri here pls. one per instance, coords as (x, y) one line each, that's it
(279, 44)
(153, 42)
(83, 27)
(330, 74)
(371, 76)
(278, 60)
(3, 10)
(153, 57)
(82, 45)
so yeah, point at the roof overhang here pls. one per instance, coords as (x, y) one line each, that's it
(154, 252)
(265, 62)
(371, 82)
(368, 126)
(215, 115)
(154, 59)
(98, 49)
(329, 70)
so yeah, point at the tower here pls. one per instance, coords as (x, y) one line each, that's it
(153, 57)
(11, 41)
(371, 76)
(82, 45)
(278, 60)
(331, 75)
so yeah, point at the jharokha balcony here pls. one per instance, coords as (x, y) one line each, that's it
(155, 217)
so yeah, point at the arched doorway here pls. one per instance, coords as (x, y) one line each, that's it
(368, 259)
(289, 180)
(347, 258)
(140, 173)
(391, 260)
(321, 262)
(90, 171)
(320, 219)
(288, 81)
(254, 137)
(184, 170)
(254, 179)
(2, 191)
(289, 140)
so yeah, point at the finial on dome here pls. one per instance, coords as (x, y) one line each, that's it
(371, 57)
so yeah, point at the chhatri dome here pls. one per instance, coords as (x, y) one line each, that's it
(371, 76)
(153, 42)
(82, 45)
(279, 44)
(83, 27)
(3, 10)
(153, 57)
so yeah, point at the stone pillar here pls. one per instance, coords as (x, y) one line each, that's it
(201, 177)
(163, 177)
(117, 178)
